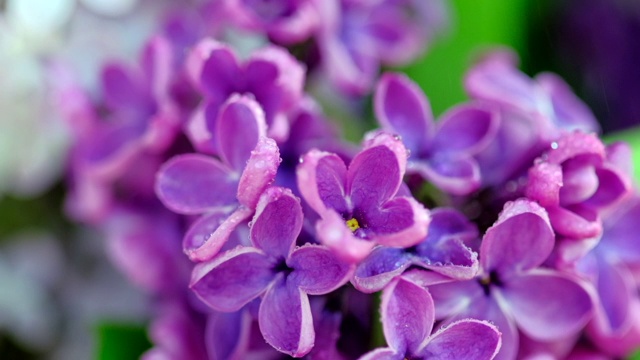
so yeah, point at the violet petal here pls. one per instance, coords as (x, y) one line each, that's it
(277, 222)
(464, 339)
(259, 172)
(317, 270)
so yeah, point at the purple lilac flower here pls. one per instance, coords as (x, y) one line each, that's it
(444, 250)
(442, 153)
(573, 180)
(225, 190)
(271, 75)
(547, 98)
(512, 291)
(272, 268)
(408, 315)
(357, 37)
(610, 266)
(283, 21)
(360, 206)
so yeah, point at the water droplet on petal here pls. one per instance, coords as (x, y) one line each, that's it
(554, 145)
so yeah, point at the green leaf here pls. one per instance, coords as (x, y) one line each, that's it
(631, 137)
(121, 341)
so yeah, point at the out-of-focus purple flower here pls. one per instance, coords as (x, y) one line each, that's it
(615, 327)
(574, 179)
(271, 75)
(283, 21)
(444, 250)
(547, 99)
(272, 268)
(357, 37)
(511, 290)
(360, 206)
(408, 315)
(226, 191)
(442, 153)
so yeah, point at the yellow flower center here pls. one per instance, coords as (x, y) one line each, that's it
(353, 225)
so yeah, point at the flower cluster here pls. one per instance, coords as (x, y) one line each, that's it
(502, 230)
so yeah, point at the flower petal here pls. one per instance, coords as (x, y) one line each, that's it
(407, 313)
(544, 184)
(285, 319)
(210, 233)
(321, 180)
(466, 129)
(194, 184)
(239, 125)
(227, 334)
(464, 339)
(576, 222)
(382, 354)
(521, 239)
(259, 172)
(231, 280)
(400, 222)
(214, 68)
(455, 175)
(123, 90)
(317, 270)
(402, 108)
(547, 305)
(333, 232)
(379, 268)
(277, 222)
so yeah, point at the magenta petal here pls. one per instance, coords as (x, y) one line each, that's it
(375, 174)
(464, 339)
(379, 268)
(400, 222)
(277, 222)
(456, 175)
(382, 354)
(194, 184)
(321, 179)
(220, 72)
(317, 270)
(259, 172)
(402, 108)
(544, 183)
(615, 286)
(333, 232)
(580, 224)
(240, 124)
(407, 312)
(574, 144)
(547, 305)
(209, 234)
(507, 248)
(612, 186)
(285, 319)
(231, 280)
(227, 334)
(122, 90)
(157, 62)
(466, 128)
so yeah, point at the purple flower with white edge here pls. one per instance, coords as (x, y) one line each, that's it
(444, 250)
(227, 190)
(512, 291)
(272, 268)
(442, 153)
(272, 75)
(574, 180)
(408, 316)
(360, 206)
(547, 98)
(283, 21)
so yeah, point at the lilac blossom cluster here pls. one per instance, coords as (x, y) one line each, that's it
(503, 230)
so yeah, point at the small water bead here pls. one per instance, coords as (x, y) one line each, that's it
(554, 145)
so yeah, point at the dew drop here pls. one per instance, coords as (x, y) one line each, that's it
(554, 145)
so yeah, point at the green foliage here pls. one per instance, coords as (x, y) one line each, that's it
(632, 137)
(121, 341)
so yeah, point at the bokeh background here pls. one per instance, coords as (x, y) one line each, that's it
(60, 298)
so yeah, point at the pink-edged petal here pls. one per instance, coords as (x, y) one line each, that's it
(382, 354)
(375, 174)
(113, 148)
(285, 319)
(259, 172)
(157, 63)
(544, 184)
(333, 232)
(579, 182)
(379, 268)
(575, 222)
(214, 68)
(613, 305)
(407, 313)
(402, 108)
(464, 339)
(194, 184)
(240, 123)
(575, 144)
(466, 128)
(569, 111)
(231, 280)
(317, 270)
(521, 239)
(613, 185)
(453, 174)
(277, 222)
(197, 130)
(209, 234)
(547, 305)
(321, 180)
(399, 222)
